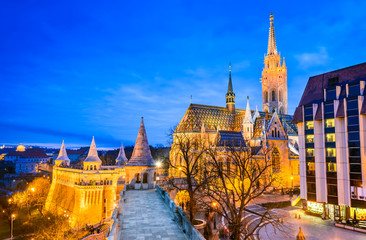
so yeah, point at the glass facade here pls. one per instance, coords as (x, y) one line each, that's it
(310, 153)
(330, 152)
(354, 139)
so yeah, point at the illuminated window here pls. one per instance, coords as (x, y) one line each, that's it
(329, 123)
(331, 152)
(276, 160)
(311, 166)
(330, 137)
(309, 138)
(310, 152)
(332, 167)
(309, 125)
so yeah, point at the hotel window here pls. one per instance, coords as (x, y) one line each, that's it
(329, 123)
(310, 152)
(330, 137)
(331, 152)
(309, 138)
(310, 166)
(332, 167)
(309, 125)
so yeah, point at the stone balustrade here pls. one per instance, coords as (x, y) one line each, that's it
(180, 216)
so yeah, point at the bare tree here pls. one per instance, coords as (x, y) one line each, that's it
(235, 179)
(185, 164)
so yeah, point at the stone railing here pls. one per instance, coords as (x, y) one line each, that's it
(180, 216)
(116, 219)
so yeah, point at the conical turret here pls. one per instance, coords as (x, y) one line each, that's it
(248, 114)
(141, 155)
(256, 114)
(62, 156)
(247, 123)
(121, 158)
(93, 153)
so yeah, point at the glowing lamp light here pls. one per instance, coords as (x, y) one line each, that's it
(292, 178)
(179, 168)
(158, 164)
(214, 204)
(32, 189)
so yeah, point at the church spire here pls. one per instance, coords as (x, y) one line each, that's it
(230, 95)
(272, 48)
(248, 113)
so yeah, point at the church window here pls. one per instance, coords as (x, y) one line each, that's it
(278, 134)
(144, 178)
(275, 160)
(272, 133)
(265, 96)
(95, 167)
(138, 180)
(110, 182)
(273, 95)
(280, 95)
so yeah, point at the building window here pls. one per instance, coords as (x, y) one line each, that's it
(309, 138)
(273, 95)
(276, 160)
(330, 137)
(329, 123)
(265, 96)
(310, 152)
(331, 152)
(310, 166)
(332, 167)
(309, 125)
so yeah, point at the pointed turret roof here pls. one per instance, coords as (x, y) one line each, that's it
(93, 153)
(272, 48)
(256, 113)
(62, 155)
(230, 85)
(121, 158)
(248, 114)
(141, 155)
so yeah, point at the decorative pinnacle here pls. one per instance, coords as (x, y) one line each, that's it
(229, 66)
(247, 97)
(271, 18)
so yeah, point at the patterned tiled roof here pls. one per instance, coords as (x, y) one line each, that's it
(215, 118)
(230, 138)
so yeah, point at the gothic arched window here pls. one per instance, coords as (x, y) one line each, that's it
(273, 95)
(280, 96)
(138, 180)
(275, 160)
(265, 96)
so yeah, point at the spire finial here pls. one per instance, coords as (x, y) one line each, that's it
(247, 97)
(271, 18)
(229, 66)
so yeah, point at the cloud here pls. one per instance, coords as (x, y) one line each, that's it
(308, 60)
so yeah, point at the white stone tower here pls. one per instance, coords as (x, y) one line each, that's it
(248, 123)
(274, 77)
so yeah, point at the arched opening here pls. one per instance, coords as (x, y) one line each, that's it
(272, 133)
(95, 167)
(144, 180)
(280, 96)
(265, 96)
(154, 176)
(137, 176)
(273, 95)
(275, 160)
(280, 111)
(278, 133)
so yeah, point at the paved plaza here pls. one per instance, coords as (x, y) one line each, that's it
(145, 216)
(314, 228)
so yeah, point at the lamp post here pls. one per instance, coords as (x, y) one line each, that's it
(158, 164)
(214, 204)
(11, 226)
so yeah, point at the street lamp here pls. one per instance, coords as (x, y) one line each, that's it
(158, 164)
(214, 204)
(12, 219)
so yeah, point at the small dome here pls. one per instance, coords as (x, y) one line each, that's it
(20, 148)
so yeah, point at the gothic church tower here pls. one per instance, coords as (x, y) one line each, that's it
(274, 77)
(230, 95)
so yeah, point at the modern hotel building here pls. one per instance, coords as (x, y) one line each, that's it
(331, 119)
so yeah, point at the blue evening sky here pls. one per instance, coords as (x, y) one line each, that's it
(76, 69)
